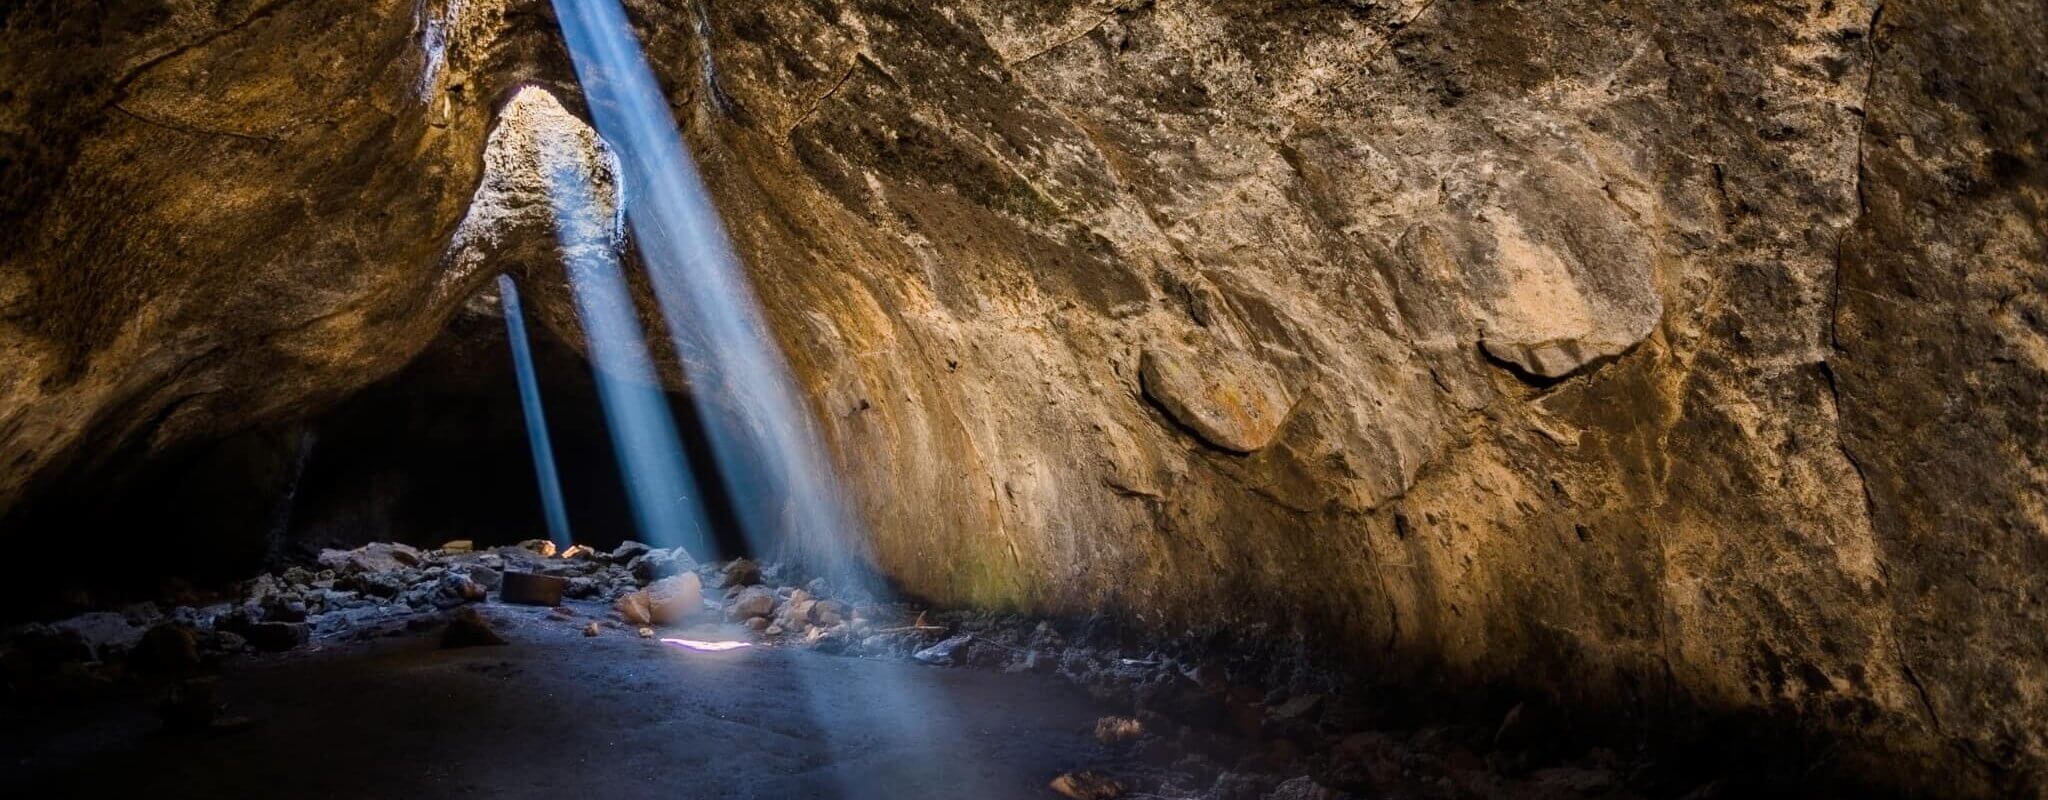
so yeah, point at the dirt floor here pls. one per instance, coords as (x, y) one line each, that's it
(555, 714)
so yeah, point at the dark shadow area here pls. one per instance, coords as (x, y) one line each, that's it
(434, 453)
(438, 452)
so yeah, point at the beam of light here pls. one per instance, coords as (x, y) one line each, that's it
(659, 483)
(706, 647)
(763, 436)
(536, 419)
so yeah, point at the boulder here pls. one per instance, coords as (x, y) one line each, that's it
(628, 550)
(753, 601)
(1230, 400)
(741, 572)
(664, 602)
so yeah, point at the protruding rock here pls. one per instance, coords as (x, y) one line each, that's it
(1229, 399)
(1566, 275)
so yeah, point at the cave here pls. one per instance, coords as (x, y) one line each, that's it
(1206, 400)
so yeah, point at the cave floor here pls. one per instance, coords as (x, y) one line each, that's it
(555, 714)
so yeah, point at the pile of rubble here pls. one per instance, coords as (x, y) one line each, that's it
(385, 589)
(1194, 727)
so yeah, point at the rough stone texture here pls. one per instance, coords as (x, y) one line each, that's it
(1659, 355)
(1230, 401)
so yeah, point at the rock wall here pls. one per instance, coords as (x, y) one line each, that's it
(1656, 355)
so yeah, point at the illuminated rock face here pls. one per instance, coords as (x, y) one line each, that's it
(1686, 354)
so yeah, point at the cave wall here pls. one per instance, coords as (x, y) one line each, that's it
(1655, 354)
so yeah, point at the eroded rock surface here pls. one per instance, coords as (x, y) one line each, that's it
(1667, 355)
(1230, 400)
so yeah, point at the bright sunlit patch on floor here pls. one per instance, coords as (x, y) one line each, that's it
(707, 647)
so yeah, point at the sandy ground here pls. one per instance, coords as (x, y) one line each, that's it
(557, 715)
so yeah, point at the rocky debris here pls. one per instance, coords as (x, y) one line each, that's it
(1212, 728)
(371, 591)
(1087, 785)
(106, 635)
(627, 551)
(463, 588)
(526, 588)
(38, 648)
(376, 557)
(485, 576)
(468, 628)
(1300, 787)
(653, 565)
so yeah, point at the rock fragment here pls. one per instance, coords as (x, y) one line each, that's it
(373, 557)
(1116, 730)
(467, 628)
(628, 550)
(753, 601)
(1087, 785)
(947, 652)
(741, 572)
